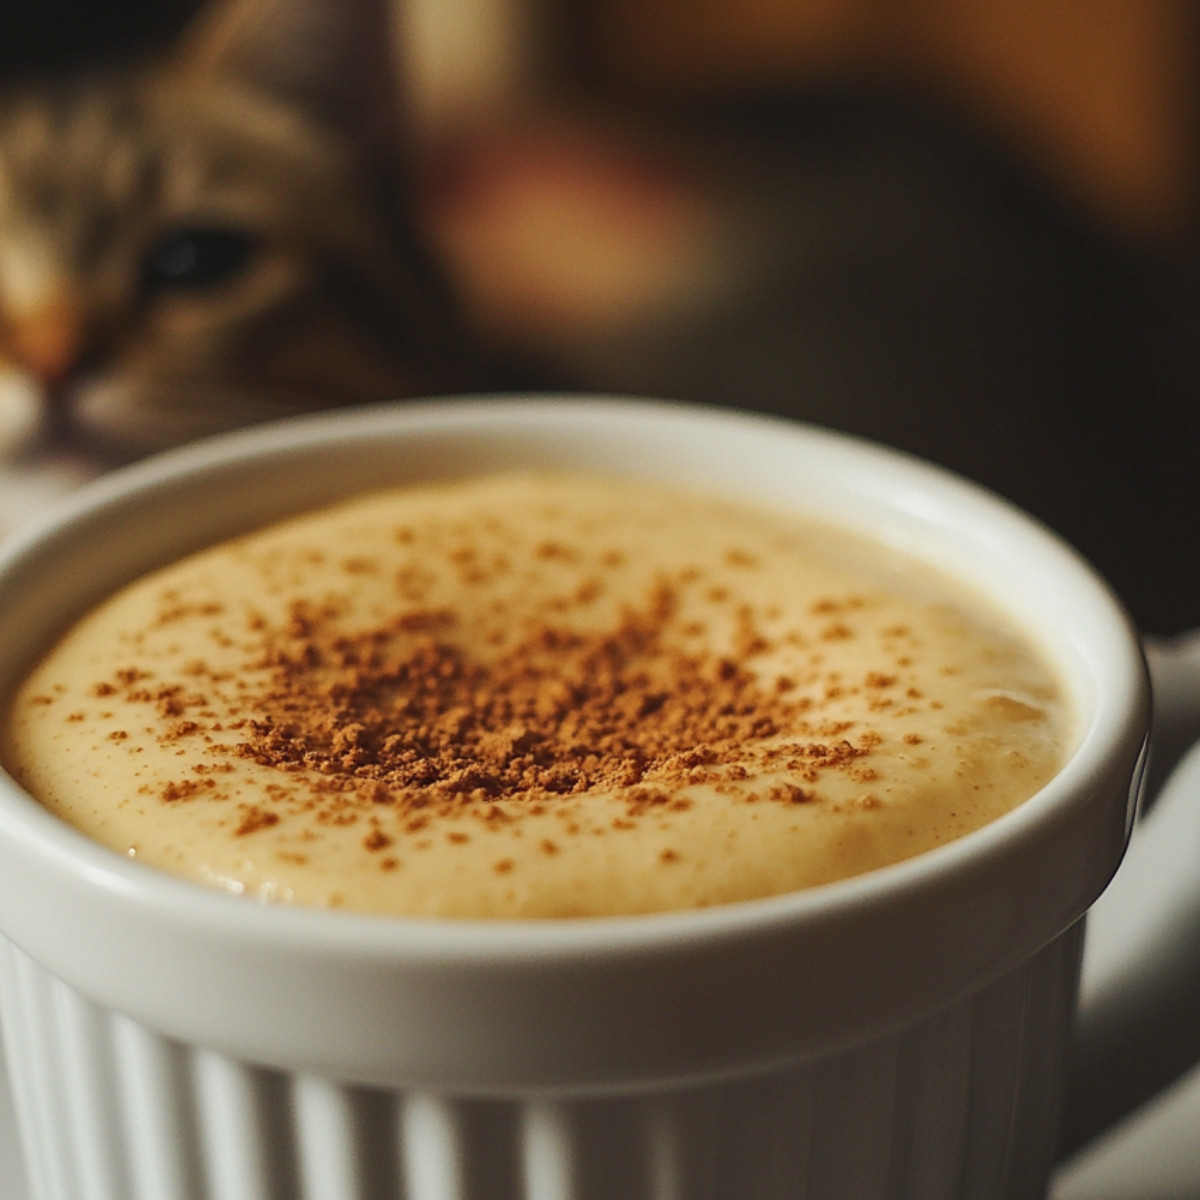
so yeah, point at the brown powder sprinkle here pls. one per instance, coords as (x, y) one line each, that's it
(255, 818)
(401, 715)
(789, 793)
(184, 789)
(558, 713)
(376, 840)
(836, 632)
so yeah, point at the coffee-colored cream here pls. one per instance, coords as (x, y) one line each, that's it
(536, 696)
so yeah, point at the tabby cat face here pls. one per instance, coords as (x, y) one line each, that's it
(182, 251)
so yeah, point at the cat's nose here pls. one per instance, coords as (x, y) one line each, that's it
(48, 342)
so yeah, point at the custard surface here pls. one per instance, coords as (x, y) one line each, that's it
(536, 696)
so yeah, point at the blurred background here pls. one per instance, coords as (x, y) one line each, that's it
(966, 228)
(962, 227)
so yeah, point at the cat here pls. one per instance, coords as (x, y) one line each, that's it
(196, 241)
(240, 226)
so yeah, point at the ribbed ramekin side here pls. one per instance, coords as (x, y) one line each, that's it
(34, 1059)
(962, 1105)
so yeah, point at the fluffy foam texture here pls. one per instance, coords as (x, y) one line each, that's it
(536, 696)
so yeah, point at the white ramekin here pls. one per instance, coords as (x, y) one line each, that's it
(902, 1034)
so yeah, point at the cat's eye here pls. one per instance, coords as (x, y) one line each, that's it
(196, 258)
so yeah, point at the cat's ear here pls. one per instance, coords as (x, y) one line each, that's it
(334, 57)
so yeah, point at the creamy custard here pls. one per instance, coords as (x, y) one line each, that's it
(536, 696)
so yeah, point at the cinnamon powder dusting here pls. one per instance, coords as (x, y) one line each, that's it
(406, 716)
